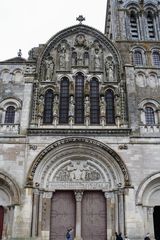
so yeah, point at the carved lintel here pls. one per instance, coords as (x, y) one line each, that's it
(78, 195)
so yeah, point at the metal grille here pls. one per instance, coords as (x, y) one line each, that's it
(64, 101)
(156, 58)
(10, 115)
(149, 115)
(94, 101)
(48, 107)
(137, 58)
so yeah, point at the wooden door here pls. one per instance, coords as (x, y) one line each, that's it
(1, 220)
(94, 216)
(62, 214)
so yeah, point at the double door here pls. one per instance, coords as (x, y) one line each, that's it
(64, 215)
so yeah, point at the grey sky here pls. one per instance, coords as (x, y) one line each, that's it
(28, 23)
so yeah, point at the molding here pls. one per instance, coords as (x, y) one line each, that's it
(81, 132)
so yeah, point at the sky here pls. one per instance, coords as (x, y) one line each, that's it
(25, 24)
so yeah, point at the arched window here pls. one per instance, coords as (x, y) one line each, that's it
(79, 99)
(110, 110)
(64, 101)
(149, 116)
(150, 23)
(133, 25)
(137, 58)
(48, 107)
(156, 58)
(10, 115)
(94, 101)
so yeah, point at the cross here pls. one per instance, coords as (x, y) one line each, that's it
(80, 19)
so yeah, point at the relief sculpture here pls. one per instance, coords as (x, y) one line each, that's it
(78, 171)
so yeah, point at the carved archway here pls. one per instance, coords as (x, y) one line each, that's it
(9, 191)
(148, 189)
(95, 160)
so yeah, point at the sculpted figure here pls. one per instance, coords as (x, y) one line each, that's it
(55, 106)
(71, 106)
(62, 57)
(102, 107)
(97, 59)
(49, 64)
(109, 68)
(87, 106)
(40, 106)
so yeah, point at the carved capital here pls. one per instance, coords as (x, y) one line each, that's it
(78, 195)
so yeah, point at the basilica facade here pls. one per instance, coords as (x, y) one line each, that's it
(80, 131)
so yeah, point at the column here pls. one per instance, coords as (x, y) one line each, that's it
(121, 211)
(46, 214)
(35, 213)
(78, 197)
(110, 226)
(150, 221)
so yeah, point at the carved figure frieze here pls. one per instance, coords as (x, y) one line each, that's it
(78, 171)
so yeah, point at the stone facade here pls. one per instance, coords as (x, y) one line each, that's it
(81, 115)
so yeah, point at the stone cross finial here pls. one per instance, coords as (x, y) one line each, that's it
(19, 53)
(80, 18)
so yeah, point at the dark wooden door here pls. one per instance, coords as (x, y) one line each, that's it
(93, 216)
(62, 214)
(156, 218)
(1, 220)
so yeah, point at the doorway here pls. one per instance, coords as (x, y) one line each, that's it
(1, 220)
(156, 219)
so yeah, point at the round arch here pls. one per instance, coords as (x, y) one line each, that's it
(148, 192)
(78, 160)
(9, 191)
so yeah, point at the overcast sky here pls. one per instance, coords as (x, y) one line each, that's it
(27, 23)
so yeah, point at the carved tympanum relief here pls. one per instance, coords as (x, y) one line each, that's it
(78, 171)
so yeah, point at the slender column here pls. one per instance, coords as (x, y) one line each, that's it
(46, 214)
(150, 222)
(108, 196)
(78, 196)
(35, 213)
(121, 210)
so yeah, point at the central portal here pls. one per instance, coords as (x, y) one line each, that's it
(64, 215)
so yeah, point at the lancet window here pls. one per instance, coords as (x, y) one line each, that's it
(94, 101)
(110, 109)
(64, 101)
(48, 107)
(10, 115)
(79, 99)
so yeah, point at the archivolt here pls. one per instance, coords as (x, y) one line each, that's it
(76, 147)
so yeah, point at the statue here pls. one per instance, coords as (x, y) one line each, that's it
(62, 57)
(55, 106)
(109, 68)
(40, 106)
(71, 107)
(87, 107)
(102, 107)
(49, 64)
(97, 59)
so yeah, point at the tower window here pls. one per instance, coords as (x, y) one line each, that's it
(110, 111)
(149, 116)
(48, 107)
(156, 58)
(137, 58)
(64, 101)
(94, 101)
(133, 26)
(79, 99)
(150, 23)
(10, 115)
